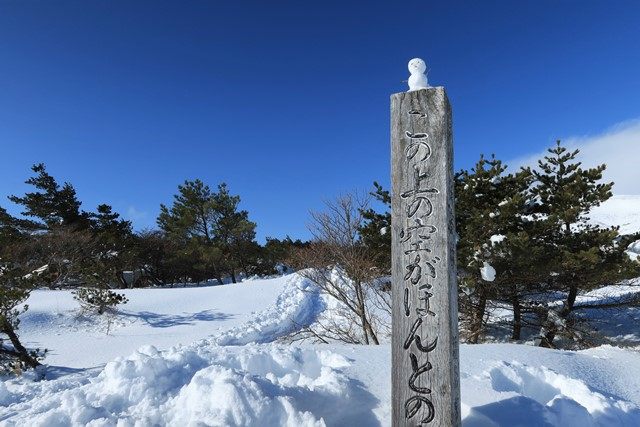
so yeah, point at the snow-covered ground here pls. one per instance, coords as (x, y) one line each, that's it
(211, 356)
(231, 372)
(163, 317)
(621, 211)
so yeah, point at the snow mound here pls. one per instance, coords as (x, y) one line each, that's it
(551, 399)
(226, 380)
(298, 305)
(240, 377)
(509, 385)
(255, 385)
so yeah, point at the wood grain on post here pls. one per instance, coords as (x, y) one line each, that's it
(425, 360)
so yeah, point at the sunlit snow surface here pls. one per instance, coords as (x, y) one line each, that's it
(621, 211)
(237, 376)
(208, 356)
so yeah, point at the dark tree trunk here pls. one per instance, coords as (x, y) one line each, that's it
(547, 340)
(123, 281)
(372, 334)
(571, 300)
(366, 327)
(19, 351)
(549, 337)
(517, 316)
(477, 319)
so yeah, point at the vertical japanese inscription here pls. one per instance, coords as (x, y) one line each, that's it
(425, 347)
(419, 263)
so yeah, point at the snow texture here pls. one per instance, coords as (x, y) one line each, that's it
(621, 211)
(239, 375)
(298, 305)
(190, 386)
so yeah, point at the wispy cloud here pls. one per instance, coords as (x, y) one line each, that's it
(618, 148)
(137, 217)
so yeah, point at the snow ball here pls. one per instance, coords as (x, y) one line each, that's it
(487, 272)
(497, 238)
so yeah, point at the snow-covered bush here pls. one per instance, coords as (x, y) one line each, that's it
(98, 300)
(346, 272)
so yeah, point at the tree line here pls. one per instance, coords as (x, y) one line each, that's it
(525, 240)
(203, 234)
(525, 244)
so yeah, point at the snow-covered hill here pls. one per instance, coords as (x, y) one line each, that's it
(622, 211)
(234, 374)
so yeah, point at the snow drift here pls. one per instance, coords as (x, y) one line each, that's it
(240, 376)
(199, 385)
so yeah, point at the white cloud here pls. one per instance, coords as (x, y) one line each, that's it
(618, 148)
(135, 215)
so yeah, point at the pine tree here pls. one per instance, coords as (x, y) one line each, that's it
(234, 232)
(10, 229)
(108, 224)
(114, 240)
(192, 213)
(152, 255)
(189, 222)
(210, 227)
(51, 204)
(520, 255)
(489, 203)
(584, 256)
(376, 229)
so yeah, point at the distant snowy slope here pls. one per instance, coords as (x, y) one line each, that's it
(623, 211)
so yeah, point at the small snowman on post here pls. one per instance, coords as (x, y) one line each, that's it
(417, 79)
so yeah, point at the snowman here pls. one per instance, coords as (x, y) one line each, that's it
(417, 79)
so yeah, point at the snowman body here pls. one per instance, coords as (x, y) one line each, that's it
(417, 79)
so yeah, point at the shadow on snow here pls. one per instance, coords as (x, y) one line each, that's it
(160, 320)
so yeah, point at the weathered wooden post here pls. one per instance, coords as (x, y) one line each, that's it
(425, 372)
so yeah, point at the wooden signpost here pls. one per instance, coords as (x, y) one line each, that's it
(425, 360)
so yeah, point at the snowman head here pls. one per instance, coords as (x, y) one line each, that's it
(417, 66)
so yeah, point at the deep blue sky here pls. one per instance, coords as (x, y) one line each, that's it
(288, 102)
